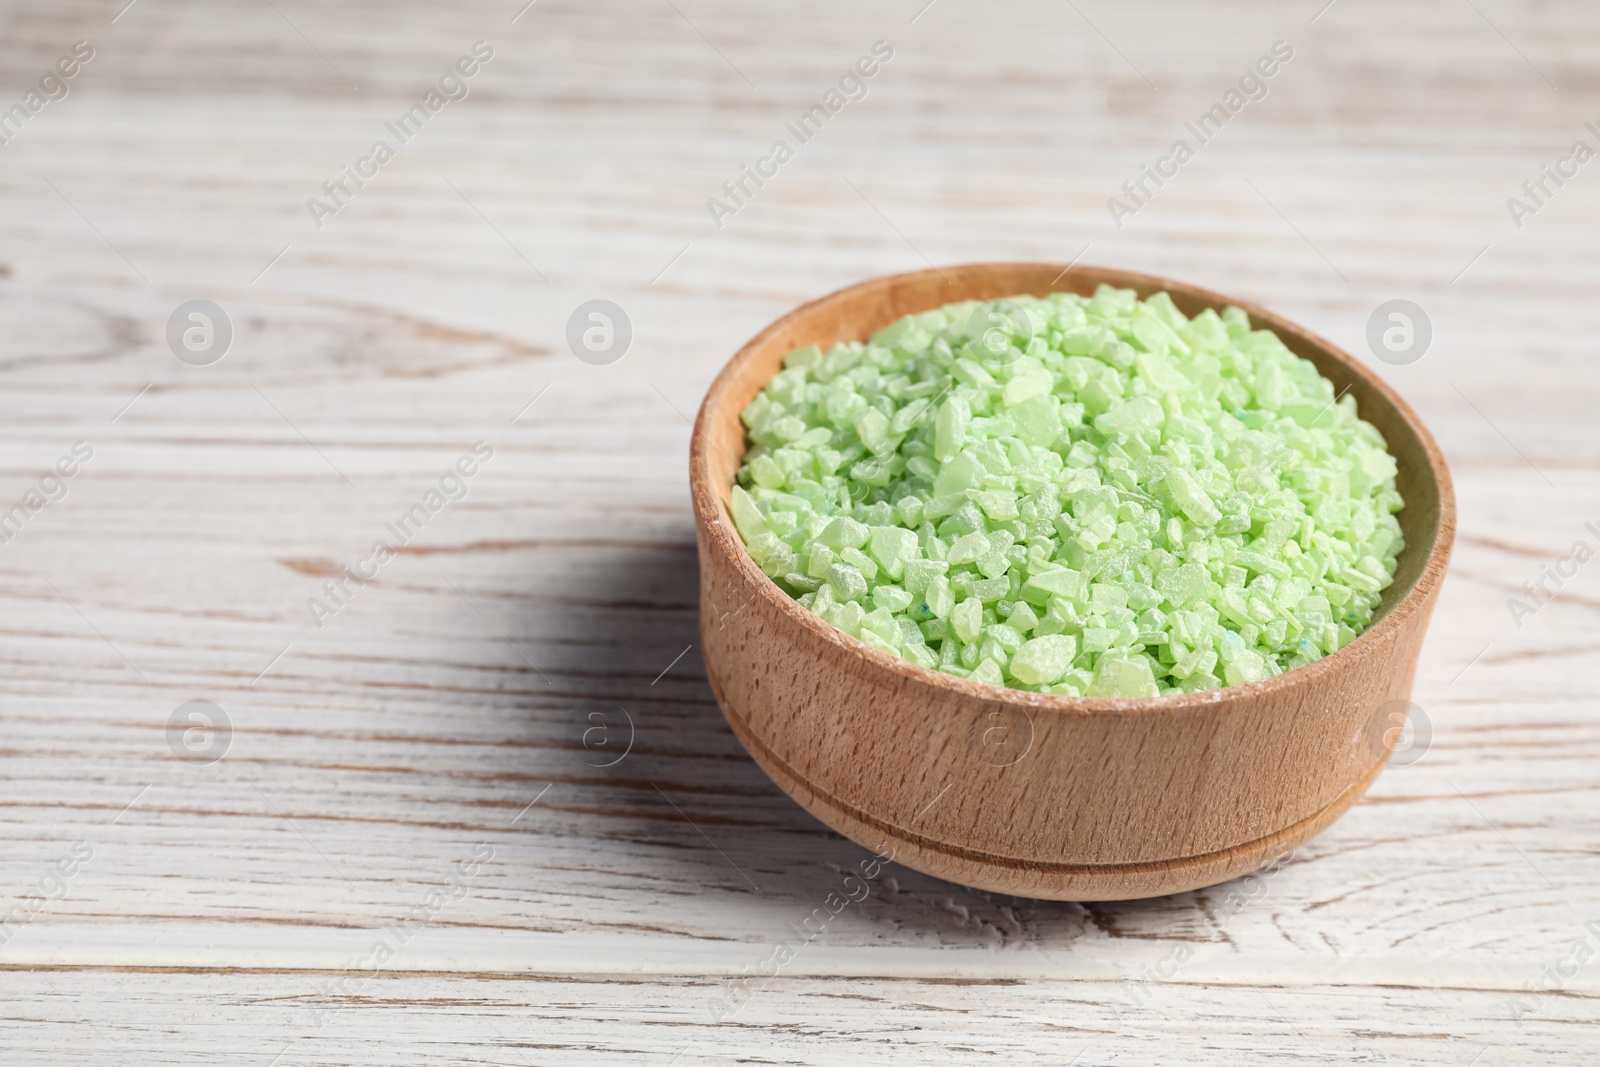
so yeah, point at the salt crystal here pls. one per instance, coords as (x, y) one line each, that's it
(1114, 501)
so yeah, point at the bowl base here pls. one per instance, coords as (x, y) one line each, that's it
(1086, 882)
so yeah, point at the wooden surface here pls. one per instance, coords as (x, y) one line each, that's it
(228, 912)
(1085, 799)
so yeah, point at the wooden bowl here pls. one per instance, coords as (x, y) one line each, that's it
(1030, 794)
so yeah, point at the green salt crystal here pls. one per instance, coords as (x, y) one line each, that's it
(1118, 501)
(746, 515)
(892, 597)
(848, 582)
(892, 546)
(939, 597)
(951, 428)
(842, 533)
(987, 672)
(1044, 659)
(966, 618)
(1191, 499)
(1116, 677)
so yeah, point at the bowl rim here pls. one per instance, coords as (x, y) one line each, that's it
(716, 524)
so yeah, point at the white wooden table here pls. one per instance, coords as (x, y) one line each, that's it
(435, 768)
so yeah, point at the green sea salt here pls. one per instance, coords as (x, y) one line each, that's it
(1082, 496)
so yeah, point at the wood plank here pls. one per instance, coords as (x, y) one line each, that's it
(377, 751)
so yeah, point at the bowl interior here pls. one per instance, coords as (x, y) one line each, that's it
(855, 313)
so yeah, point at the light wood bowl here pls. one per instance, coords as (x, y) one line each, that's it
(1035, 795)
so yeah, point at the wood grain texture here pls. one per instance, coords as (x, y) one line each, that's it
(377, 752)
